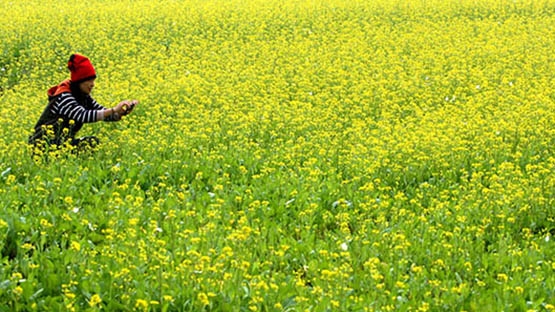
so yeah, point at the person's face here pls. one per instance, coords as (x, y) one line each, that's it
(87, 86)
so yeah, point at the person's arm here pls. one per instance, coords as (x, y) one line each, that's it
(116, 113)
(106, 114)
(67, 106)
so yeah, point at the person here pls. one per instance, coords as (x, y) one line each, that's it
(70, 106)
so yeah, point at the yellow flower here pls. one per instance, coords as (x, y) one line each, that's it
(203, 298)
(27, 246)
(502, 277)
(75, 246)
(17, 276)
(115, 169)
(167, 298)
(10, 179)
(68, 200)
(424, 307)
(69, 295)
(416, 269)
(227, 251)
(141, 304)
(95, 300)
(45, 223)
(18, 291)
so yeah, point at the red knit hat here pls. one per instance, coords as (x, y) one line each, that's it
(81, 68)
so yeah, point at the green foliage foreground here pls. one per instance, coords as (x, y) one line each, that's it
(286, 156)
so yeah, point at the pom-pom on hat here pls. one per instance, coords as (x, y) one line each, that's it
(81, 68)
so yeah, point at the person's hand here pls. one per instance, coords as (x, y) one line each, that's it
(121, 108)
(129, 107)
(124, 108)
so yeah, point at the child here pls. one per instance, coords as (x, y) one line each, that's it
(70, 106)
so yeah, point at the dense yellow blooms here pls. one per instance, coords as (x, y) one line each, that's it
(286, 155)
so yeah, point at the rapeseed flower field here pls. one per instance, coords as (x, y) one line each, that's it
(287, 155)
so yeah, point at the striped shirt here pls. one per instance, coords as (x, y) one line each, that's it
(66, 105)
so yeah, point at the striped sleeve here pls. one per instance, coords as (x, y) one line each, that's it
(97, 106)
(66, 105)
(100, 107)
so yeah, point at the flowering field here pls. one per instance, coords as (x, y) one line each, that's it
(286, 156)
